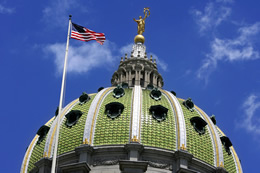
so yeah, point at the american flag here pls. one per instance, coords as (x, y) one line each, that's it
(81, 33)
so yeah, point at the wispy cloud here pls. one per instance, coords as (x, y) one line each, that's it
(240, 48)
(58, 11)
(211, 17)
(250, 120)
(82, 59)
(6, 10)
(86, 57)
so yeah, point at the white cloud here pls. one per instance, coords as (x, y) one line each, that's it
(250, 120)
(159, 62)
(5, 10)
(237, 49)
(58, 11)
(82, 58)
(126, 49)
(211, 17)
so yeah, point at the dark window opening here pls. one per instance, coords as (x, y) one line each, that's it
(118, 92)
(149, 86)
(198, 124)
(114, 109)
(84, 98)
(73, 117)
(174, 93)
(101, 88)
(133, 81)
(125, 85)
(227, 144)
(189, 104)
(158, 112)
(213, 119)
(42, 132)
(142, 82)
(156, 94)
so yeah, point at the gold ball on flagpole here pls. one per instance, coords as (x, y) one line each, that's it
(139, 39)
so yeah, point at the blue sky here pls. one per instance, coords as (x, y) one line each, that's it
(206, 50)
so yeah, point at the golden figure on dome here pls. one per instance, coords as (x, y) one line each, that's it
(141, 21)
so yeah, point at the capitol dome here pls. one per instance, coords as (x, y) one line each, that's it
(133, 126)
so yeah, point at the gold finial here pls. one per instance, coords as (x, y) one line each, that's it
(183, 147)
(134, 139)
(141, 26)
(86, 141)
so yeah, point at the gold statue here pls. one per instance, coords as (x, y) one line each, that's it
(141, 21)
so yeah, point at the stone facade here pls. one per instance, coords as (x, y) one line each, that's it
(137, 69)
(129, 158)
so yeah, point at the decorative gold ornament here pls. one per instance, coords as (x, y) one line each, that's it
(86, 141)
(139, 38)
(141, 21)
(183, 147)
(134, 139)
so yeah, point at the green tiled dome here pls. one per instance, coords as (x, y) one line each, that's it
(135, 124)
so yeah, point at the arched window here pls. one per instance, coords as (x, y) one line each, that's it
(114, 109)
(42, 132)
(159, 112)
(73, 117)
(198, 124)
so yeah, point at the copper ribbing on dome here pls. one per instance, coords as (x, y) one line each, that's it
(92, 115)
(219, 160)
(180, 122)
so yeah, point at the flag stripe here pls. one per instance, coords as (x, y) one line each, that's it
(84, 34)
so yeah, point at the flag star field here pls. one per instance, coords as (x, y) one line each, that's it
(208, 50)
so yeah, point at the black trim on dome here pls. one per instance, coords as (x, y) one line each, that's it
(100, 88)
(118, 92)
(84, 98)
(114, 109)
(174, 93)
(73, 117)
(158, 112)
(188, 104)
(149, 87)
(42, 132)
(213, 119)
(227, 143)
(198, 124)
(156, 94)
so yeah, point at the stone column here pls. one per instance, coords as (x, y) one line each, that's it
(182, 159)
(44, 165)
(136, 77)
(84, 152)
(120, 77)
(154, 80)
(132, 165)
(126, 77)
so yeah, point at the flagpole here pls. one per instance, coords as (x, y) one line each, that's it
(53, 167)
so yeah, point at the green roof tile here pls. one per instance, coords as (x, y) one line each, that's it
(154, 133)
(198, 145)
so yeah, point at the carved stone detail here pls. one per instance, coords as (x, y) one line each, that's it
(102, 161)
(159, 164)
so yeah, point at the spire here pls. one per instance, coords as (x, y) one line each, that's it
(138, 69)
